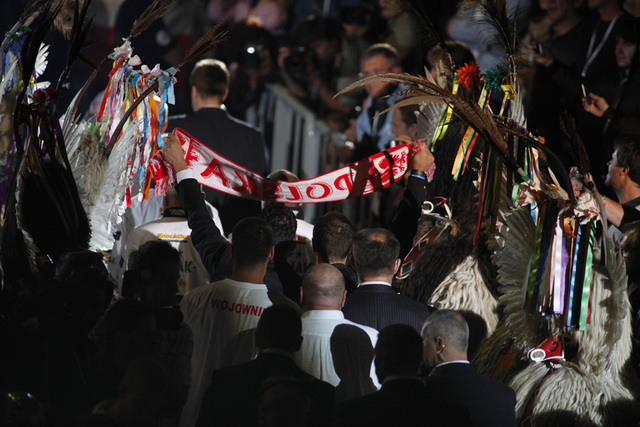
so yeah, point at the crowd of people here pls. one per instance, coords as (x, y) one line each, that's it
(218, 310)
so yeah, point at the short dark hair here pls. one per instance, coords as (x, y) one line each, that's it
(282, 221)
(332, 236)
(279, 327)
(628, 30)
(252, 242)
(401, 347)
(375, 251)
(151, 254)
(628, 154)
(210, 78)
(389, 52)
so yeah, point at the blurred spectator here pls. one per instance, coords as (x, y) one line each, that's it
(470, 26)
(273, 15)
(310, 68)
(622, 112)
(402, 33)
(328, 8)
(564, 44)
(358, 34)
(251, 53)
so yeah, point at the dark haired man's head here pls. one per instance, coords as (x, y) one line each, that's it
(155, 267)
(332, 238)
(282, 221)
(279, 327)
(627, 43)
(252, 243)
(209, 82)
(627, 157)
(398, 351)
(375, 252)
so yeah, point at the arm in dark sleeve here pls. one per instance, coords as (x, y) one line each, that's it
(205, 236)
(404, 224)
(630, 215)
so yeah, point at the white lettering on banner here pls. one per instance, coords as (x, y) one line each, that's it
(213, 170)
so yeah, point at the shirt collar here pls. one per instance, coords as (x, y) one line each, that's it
(323, 314)
(373, 282)
(465, 362)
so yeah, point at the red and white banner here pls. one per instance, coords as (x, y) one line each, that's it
(211, 169)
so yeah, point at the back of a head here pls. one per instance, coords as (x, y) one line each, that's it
(282, 221)
(279, 327)
(375, 251)
(628, 154)
(323, 287)
(153, 254)
(459, 51)
(252, 242)
(332, 237)
(450, 325)
(210, 78)
(400, 346)
(389, 53)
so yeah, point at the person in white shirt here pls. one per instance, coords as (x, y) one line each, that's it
(323, 294)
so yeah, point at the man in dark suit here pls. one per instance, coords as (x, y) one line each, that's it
(375, 303)
(332, 240)
(231, 138)
(453, 379)
(403, 399)
(233, 397)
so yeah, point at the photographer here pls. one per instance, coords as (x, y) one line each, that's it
(310, 68)
(146, 323)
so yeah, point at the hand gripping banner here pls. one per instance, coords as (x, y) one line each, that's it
(214, 171)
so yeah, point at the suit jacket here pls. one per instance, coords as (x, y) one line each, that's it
(489, 402)
(379, 305)
(400, 402)
(237, 141)
(234, 393)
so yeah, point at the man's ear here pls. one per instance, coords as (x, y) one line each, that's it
(396, 265)
(272, 252)
(224, 97)
(301, 296)
(344, 298)
(440, 344)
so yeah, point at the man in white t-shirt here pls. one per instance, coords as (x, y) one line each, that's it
(218, 311)
(323, 296)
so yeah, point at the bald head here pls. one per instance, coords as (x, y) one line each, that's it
(323, 288)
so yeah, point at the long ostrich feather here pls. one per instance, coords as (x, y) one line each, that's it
(149, 16)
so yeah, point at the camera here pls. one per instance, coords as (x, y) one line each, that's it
(253, 55)
(296, 62)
